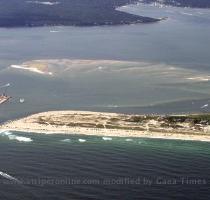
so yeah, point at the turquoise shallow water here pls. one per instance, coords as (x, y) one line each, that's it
(88, 167)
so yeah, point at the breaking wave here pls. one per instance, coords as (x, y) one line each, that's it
(81, 140)
(128, 140)
(20, 138)
(66, 140)
(5, 133)
(12, 136)
(54, 31)
(185, 13)
(107, 138)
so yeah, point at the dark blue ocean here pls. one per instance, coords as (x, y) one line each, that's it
(62, 167)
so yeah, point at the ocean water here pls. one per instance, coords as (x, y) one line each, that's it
(83, 167)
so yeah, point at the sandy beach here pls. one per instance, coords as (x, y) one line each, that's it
(55, 122)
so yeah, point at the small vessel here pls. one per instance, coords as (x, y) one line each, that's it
(4, 98)
(22, 100)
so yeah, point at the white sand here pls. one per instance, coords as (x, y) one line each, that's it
(29, 124)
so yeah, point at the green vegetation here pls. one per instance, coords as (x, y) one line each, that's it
(14, 13)
(186, 123)
(139, 118)
(183, 3)
(203, 119)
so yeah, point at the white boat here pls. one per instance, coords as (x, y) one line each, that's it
(22, 100)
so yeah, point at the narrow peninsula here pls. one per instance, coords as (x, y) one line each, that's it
(180, 127)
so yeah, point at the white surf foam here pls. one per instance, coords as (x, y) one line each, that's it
(12, 136)
(66, 140)
(107, 138)
(81, 140)
(128, 140)
(54, 31)
(199, 78)
(5, 133)
(185, 13)
(20, 138)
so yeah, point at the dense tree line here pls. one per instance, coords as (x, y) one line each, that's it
(65, 12)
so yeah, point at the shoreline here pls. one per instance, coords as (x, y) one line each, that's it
(114, 133)
(148, 129)
(68, 13)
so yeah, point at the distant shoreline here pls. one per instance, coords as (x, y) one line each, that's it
(93, 24)
(114, 125)
(80, 13)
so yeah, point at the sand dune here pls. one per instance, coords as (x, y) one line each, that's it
(192, 127)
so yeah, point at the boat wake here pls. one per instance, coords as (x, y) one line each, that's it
(7, 176)
(47, 3)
